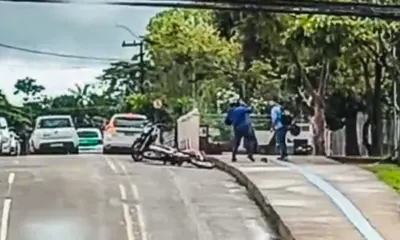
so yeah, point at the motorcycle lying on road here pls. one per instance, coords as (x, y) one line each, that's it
(145, 147)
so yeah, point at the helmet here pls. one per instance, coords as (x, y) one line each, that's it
(294, 130)
(234, 101)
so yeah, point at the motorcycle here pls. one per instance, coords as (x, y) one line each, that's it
(145, 147)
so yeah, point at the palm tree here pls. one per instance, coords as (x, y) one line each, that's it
(81, 94)
(13, 113)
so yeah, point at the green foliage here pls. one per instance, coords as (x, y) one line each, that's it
(189, 57)
(387, 173)
(204, 58)
(28, 87)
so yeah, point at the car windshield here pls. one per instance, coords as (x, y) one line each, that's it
(88, 134)
(129, 122)
(55, 123)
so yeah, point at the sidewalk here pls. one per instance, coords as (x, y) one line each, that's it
(317, 198)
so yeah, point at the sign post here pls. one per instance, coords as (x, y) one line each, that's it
(157, 104)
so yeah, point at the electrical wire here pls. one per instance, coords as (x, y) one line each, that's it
(357, 9)
(63, 55)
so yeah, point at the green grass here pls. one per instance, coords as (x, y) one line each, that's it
(387, 173)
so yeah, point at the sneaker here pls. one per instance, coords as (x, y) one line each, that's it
(234, 160)
(251, 158)
(285, 158)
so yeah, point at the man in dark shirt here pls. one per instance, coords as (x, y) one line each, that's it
(239, 117)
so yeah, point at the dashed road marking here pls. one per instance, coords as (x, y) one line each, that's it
(138, 208)
(122, 192)
(11, 178)
(122, 166)
(140, 216)
(110, 164)
(127, 215)
(5, 218)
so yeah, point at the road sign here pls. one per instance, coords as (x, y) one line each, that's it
(157, 103)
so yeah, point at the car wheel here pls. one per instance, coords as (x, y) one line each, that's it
(107, 150)
(31, 148)
(75, 150)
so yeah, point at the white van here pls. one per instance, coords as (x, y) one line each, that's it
(54, 132)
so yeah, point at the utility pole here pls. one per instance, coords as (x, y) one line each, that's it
(139, 44)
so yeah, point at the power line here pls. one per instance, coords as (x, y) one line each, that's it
(63, 55)
(373, 10)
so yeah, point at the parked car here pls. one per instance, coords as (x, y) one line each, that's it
(54, 133)
(5, 137)
(121, 131)
(90, 140)
(15, 145)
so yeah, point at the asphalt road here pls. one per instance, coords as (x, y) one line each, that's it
(95, 197)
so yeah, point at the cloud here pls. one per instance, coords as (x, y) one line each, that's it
(72, 29)
(56, 78)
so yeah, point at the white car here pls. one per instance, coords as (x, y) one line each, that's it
(15, 145)
(5, 138)
(54, 132)
(122, 130)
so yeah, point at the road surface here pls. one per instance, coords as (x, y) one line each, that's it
(95, 197)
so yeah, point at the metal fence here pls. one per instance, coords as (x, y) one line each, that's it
(335, 142)
(219, 132)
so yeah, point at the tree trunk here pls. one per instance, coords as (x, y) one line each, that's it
(318, 123)
(376, 117)
(365, 134)
(352, 148)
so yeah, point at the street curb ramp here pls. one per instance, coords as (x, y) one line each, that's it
(272, 217)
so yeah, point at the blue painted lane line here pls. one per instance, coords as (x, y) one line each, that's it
(349, 210)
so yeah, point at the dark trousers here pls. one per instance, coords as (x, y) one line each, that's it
(280, 138)
(250, 141)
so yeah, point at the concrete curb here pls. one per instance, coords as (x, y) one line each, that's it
(272, 217)
(356, 160)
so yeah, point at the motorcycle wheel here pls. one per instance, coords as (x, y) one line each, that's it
(202, 164)
(153, 155)
(136, 155)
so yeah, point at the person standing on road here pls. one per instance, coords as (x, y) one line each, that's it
(278, 125)
(239, 117)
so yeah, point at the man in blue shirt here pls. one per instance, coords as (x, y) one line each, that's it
(279, 128)
(239, 117)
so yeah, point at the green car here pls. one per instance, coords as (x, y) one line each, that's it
(90, 140)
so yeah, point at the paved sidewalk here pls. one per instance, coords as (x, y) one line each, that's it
(317, 198)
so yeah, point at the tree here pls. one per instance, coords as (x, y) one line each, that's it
(14, 115)
(28, 87)
(81, 94)
(188, 56)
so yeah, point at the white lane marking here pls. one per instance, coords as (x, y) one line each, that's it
(5, 218)
(135, 191)
(11, 178)
(16, 162)
(128, 222)
(122, 192)
(127, 215)
(110, 164)
(122, 166)
(139, 212)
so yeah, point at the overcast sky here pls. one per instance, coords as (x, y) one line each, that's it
(72, 29)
